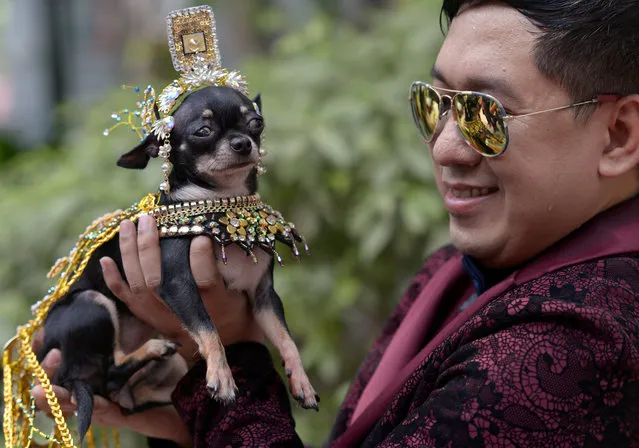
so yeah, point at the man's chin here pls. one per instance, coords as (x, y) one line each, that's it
(480, 244)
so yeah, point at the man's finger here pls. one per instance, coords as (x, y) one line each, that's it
(114, 280)
(51, 362)
(38, 339)
(149, 251)
(130, 257)
(162, 423)
(63, 395)
(203, 265)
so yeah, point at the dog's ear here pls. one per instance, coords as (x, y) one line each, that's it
(258, 100)
(139, 156)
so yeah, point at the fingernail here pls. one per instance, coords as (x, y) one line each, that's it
(145, 223)
(74, 402)
(126, 228)
(103, 264)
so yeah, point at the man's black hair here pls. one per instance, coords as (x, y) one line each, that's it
(590, 47)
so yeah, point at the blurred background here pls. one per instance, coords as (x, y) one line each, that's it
(344, 160)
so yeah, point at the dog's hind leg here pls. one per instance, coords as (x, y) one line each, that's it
(269, 314)
(181, 294)
(82, 327)
(126, 365)
(145, 385)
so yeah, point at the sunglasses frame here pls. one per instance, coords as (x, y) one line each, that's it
(506, 117)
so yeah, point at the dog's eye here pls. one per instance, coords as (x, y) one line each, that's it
(256, 124)
(204, 131)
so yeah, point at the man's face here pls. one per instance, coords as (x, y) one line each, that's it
(507, 209)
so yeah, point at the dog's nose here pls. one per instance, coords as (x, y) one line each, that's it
(241, 145)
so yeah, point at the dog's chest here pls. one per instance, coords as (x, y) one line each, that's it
(240, 272)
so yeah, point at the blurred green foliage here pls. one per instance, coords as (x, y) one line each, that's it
(344, 163)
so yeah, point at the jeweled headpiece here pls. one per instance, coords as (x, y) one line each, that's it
(196, 56)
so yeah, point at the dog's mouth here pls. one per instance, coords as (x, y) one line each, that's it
(236, 166)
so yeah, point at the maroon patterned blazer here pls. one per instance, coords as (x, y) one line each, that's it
(547, 357)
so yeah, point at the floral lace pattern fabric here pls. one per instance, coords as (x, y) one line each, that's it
(551, 363)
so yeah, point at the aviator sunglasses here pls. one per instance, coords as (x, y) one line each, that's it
(480, 118)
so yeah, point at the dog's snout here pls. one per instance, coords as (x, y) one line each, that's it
(241, 145)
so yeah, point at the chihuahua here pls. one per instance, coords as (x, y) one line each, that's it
(105, 349)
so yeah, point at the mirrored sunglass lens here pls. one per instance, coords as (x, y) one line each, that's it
(481, 121)
(425, 105)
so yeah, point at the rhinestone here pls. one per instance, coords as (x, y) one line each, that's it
(173, 230)
(235, 222)
(271, 237)
(164, 186)
(242, 238)
(197, 229)
(234, 237)
(183, 230)
(216, 230)
(261, 238)
(271, 219)
(251, 238)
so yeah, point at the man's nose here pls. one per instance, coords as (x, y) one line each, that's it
(449, 147)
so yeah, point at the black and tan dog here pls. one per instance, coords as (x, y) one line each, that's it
(108, 351)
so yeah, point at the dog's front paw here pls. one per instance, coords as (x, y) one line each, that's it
(301, 387)
(220, 383)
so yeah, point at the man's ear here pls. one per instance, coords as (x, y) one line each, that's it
(622, 154)
(258, 100)
(139, 156)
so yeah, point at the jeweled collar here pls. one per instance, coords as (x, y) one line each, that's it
(245, 221)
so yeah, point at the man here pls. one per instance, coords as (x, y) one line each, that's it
(526, 331)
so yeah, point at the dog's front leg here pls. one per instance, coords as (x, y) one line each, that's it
(269, 314)
(180, 292)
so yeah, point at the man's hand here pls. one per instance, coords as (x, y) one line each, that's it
(162, 422)
(231, 313)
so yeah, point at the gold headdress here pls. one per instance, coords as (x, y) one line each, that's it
(196, 56)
